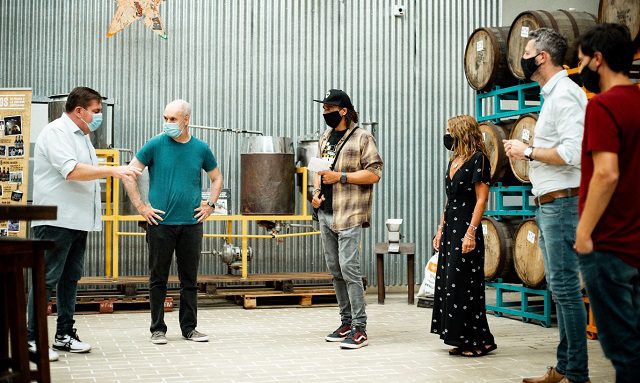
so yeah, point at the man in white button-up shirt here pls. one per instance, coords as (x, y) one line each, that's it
(555, 175)
(66, 174)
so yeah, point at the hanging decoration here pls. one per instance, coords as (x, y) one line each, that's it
(129, 11)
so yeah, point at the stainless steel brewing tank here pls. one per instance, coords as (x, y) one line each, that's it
(267, 176)
(307, 149)
(100, 138)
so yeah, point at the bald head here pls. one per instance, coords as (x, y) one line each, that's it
(180, 107)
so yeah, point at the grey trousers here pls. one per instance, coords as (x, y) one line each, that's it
(343, 261)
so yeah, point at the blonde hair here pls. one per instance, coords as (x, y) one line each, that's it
(468, 138)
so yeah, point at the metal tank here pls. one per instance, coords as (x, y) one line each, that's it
(267, 176)
(306, 150)
(100, 138)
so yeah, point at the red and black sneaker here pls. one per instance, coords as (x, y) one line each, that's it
(340, 334)
(357, 338)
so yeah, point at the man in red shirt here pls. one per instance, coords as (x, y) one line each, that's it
(608, 233)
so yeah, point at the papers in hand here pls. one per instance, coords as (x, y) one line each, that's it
(319, 164)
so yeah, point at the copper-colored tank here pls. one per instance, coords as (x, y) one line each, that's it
(267, 173)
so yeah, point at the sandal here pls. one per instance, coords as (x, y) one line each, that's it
(455, 351)
(472, 353)
(489, 348)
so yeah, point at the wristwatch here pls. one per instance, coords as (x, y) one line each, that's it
(211, 204)
(528, 152)
(343, 178)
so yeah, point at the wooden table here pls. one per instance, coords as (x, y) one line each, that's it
(16, 255)
(409, 249)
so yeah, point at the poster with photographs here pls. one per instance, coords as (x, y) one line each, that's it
(15, 117)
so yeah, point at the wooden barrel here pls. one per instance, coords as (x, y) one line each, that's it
(485, 59)
(523, 130)
(626, 12)
(527, 256)
(498, 249)
(570, 24)
(493, 135)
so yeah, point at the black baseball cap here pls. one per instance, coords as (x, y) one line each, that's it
(336, 97)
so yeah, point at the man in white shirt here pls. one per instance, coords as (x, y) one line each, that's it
(555, 175)
(66, 174)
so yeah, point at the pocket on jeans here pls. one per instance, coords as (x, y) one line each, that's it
(550, 210)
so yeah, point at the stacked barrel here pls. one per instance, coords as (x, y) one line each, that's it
(491, 61)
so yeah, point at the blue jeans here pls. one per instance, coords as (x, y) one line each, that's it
(613, 287)
(343, 261)
(64, 266)
(557, 221)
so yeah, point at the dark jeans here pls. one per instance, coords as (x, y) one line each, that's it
(557, 221)
(186, 240)
(64, 266)
(613, 287)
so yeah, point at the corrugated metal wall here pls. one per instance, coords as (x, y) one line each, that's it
(257, 65)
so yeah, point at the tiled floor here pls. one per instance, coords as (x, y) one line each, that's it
(286, 345)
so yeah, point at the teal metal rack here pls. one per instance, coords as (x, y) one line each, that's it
(524, 209)
(518, 93)
(533, 304)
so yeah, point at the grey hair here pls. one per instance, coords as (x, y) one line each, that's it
(184, 106)
(552, 42)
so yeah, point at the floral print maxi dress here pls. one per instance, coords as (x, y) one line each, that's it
(459, 314)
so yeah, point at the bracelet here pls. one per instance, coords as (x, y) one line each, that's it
(467, 236)
(473, 227)
(315, 191)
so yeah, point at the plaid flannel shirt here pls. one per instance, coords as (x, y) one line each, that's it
(352, 203)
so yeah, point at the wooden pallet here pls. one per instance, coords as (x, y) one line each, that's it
(107, 305)
(299, 297)
(212, 278)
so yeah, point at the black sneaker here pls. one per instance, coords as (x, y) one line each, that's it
(340, 334)
(357, 338)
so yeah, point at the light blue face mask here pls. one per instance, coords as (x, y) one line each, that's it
(95, 122)
(172, 129)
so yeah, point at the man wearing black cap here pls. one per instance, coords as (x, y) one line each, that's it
(343, 197)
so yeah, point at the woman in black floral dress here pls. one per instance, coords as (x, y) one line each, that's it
(459, 314)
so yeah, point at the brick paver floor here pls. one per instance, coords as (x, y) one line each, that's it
(287, 345)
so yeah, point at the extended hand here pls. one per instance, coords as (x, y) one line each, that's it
(515, 149)
(150, 214)
(330, 177)
(204, 211)
(128, 173)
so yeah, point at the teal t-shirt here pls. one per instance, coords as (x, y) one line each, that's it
(175, 176)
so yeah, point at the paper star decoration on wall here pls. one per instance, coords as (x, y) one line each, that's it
(129, 11)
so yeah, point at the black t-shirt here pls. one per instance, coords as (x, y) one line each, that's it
(329, 151)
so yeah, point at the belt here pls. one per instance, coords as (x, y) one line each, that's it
(554, 195)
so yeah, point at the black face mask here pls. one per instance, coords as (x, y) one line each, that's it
(332, 119)
(590, 79)
(529, 66)
(449, 141)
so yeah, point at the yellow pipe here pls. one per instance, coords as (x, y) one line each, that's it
(237, 236)
(304, 202)
(296, 234)
(116, 218)
(245, 272)
(229, 231)
(131, 233)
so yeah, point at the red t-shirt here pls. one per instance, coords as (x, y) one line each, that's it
(612, 124)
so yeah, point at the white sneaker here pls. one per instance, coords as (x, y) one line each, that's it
(53, 356)
(70, 343)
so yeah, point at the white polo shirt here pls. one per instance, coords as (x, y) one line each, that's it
(61, 146)
(560, 125)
